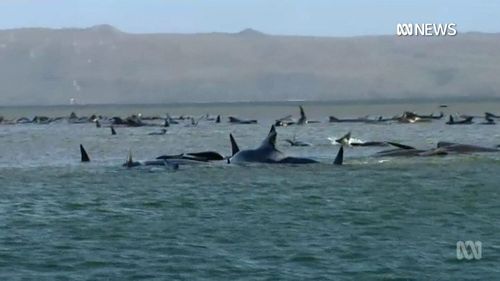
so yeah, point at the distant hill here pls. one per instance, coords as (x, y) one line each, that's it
(104, 65)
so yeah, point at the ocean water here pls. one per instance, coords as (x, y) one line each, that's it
(370, 219)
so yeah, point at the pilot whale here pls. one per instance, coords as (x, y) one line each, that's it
(130, 163)
(235, 120)
(303, 118)
(267, 153)
(204, 156)
(443, 148)
(346, 140)
(464, 148)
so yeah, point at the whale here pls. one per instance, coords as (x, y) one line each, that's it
(204, 156)
(431, 116)
(466, 121)
(284, 121)
(346, 140)
(288, 120)
(113, 132)
(235, 120)
(334, 119)
(411, 117)
(465, 148)
(442, 148)
(130, 163)
(268, 153)
(402, 150)
(488, 117)
(303, 118)
(162, 132)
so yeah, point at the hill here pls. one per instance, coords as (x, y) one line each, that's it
(104, 65)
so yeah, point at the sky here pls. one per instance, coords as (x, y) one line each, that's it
(292, 17)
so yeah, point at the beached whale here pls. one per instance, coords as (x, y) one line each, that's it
(267, 153)
(130, 163)
(162, 132)
(235, 120)
(288, 120)
(334, 119)
(346, 140)
(204, 156)
(466, 121)
(443, 148)
(303, 118)
(408, 151)
(465, 148)
(431, 116)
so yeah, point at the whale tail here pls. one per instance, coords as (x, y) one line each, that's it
(84, 156)
(234, 146)
(339, 159)
(113, 132)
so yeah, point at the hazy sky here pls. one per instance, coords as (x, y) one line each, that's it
(302, 17)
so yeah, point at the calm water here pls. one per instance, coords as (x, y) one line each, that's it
(371, 219)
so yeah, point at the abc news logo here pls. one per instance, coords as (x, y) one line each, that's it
(469, 250)
(426, 29)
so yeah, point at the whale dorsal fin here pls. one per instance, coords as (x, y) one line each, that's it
(273, 130)
(85, 156)
(270, 140)
(113, 132)
(339, 159)
(303, 118)
(234, 146)
(130, 159)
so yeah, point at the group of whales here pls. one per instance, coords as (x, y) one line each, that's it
(266, 152)
(137, 120)
(442, 148)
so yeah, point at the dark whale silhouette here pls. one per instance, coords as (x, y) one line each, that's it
(267, 153)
